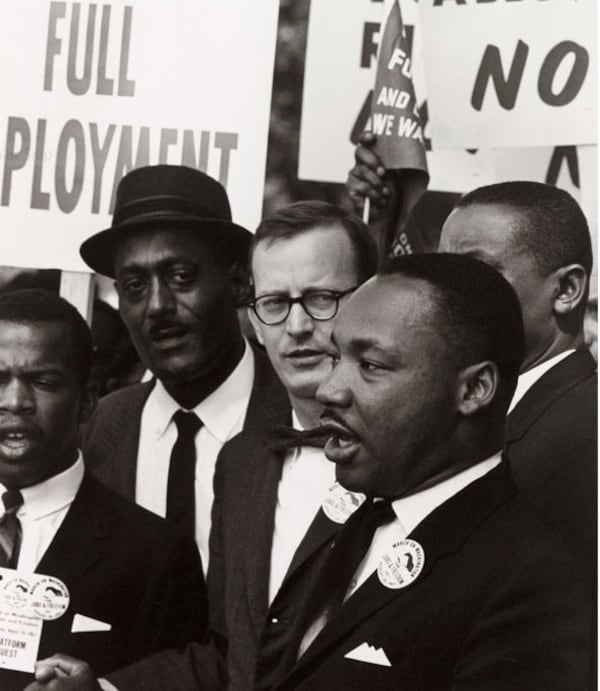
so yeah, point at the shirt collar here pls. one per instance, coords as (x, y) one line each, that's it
(414, 509)
(296, 424)
(529, 378)
(52, 494)
(219, 411)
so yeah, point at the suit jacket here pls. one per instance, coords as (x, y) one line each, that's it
(551, 443)
(497, 606)
(125, 567)
(245, 630)
(111, 437)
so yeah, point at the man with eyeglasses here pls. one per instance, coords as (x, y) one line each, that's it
(306, 260)
(276, 505)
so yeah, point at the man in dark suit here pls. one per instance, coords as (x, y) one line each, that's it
(538, 238)
(272, 513)
(177, 258)
(124, 582)
(427, 356)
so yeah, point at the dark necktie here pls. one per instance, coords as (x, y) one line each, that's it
(326, 596)
(181, 486)
(284, 438)
(10, 528)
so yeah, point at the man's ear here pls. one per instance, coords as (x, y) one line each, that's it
(240, 282)
(571, 282)
(477, 387)
(256, 325)
(89, 400)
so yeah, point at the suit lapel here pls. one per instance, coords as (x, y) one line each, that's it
(442, 532)
(321, 530)
(551, 386)
(269, 403)
(258, 549)
(76, 546)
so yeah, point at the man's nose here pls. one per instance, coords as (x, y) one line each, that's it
(16, 397)
(335, 392)
(160, 297)
(298, 322)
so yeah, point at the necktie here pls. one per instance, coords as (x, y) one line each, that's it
(283, 438)
(181, 501)
(327, 593)
(10, 528)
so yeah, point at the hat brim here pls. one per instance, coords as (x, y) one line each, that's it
(98, 251)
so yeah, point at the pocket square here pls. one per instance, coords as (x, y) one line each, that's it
(83, 624)
(369, 653)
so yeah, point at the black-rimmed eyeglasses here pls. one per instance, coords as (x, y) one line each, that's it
(318, 304)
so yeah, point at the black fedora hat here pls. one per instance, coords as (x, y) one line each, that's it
(170, 197)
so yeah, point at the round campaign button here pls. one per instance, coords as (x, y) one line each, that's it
(401, 565)
(340, 503)
(15, 592)
(49, 598)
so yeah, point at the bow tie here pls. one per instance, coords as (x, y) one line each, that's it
(283, 438)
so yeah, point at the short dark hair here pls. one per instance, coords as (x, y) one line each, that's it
(475, 307)
(303, 216)
(553, 225)
(33, 306)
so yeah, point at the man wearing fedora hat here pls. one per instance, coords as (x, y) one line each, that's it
(178, 261)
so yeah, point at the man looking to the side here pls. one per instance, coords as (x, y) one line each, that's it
(426, 360)
(177, 259)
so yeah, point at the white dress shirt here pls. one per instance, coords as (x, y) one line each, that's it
(410, 512)
(305, 480)
(44, 508)
(529, 378)
(222, 414)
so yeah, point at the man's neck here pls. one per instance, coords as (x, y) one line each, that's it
(191, 391)
(555, 348)
(308, 411)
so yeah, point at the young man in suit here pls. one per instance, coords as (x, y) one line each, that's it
(268, 532)
(134, 584)
(444, 578)
(177, 259)
(538, 238)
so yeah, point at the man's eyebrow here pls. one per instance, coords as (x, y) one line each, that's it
(162, 264)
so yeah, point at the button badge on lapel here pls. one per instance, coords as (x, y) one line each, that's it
(401, 565)
(340, 503)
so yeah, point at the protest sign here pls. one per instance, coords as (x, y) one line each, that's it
(502, 73)
(90, 91)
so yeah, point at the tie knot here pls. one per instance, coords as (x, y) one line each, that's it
(12, 500)
(379, 513)
(187, 423)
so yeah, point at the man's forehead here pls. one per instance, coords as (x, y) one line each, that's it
(48, 339)
(160, 244)
(384, 308)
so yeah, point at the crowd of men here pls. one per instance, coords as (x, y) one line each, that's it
(392, 484)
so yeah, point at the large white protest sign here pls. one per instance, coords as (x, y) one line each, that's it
(505, 73)
(90, 91)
